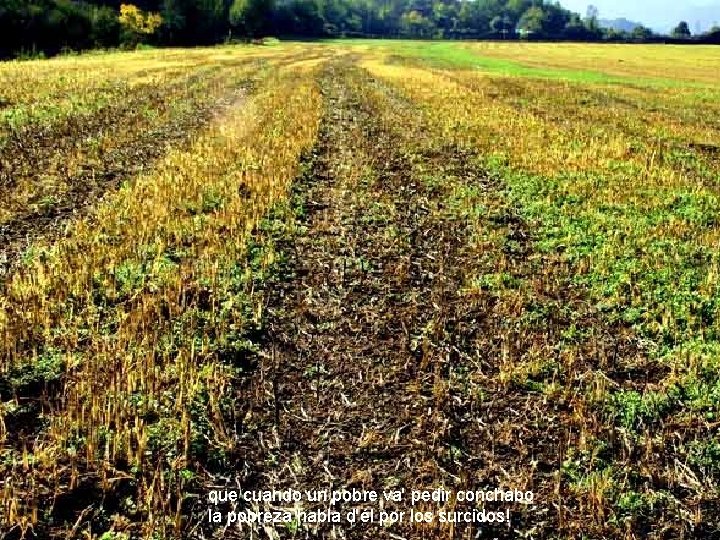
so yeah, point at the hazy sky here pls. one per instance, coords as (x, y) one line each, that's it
(658, 14)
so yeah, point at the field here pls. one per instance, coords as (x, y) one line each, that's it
(369, 264)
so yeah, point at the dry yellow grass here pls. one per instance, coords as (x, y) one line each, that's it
(117, 303)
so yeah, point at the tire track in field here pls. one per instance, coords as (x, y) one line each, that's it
(368, 379)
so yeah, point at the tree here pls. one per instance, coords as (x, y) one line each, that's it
(336, 15)
(137, 25)
(574, 28)
(445, 16)
(416, 24)
(515, 8)
(48, 26)
(712, 35)
(105, 27)
(682, 30)
(532, 21)
(641, 33)
(501, 25)
(473, 18)
(299, 17)
(173, 19)
(208, 20)
(555, 20)
(251, 16)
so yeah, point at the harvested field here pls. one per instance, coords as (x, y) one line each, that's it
(361, 265)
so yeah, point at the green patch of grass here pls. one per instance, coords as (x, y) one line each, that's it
(112, 535)
(583, 471)
(31, 377)
(496, 282)
(468, 201)
(542, 374)
(632, 410)
(705, 454)
(640, 271)
(455, 56)
(378, 213)
(635, 505)
(135, 274)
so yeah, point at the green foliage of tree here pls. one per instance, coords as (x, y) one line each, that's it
(415, 24)
(174, 20)
(105, 26)
(251, 17)
(682, 30)
(532, 21)
(641, 33)
(50, 25)
(712, 35)
(136, 25)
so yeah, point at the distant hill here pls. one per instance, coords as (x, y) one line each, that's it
(620, 24)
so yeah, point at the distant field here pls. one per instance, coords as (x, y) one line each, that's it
(368, 264)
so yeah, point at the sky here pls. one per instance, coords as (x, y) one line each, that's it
(659, 15)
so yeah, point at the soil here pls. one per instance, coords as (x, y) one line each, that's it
(377, 372)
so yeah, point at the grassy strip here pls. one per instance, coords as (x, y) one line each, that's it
(141, 303)
(645, 255)
(466, 55)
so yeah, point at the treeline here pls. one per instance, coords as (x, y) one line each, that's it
(49, 26)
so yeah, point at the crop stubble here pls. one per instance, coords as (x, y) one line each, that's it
(398, 343)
